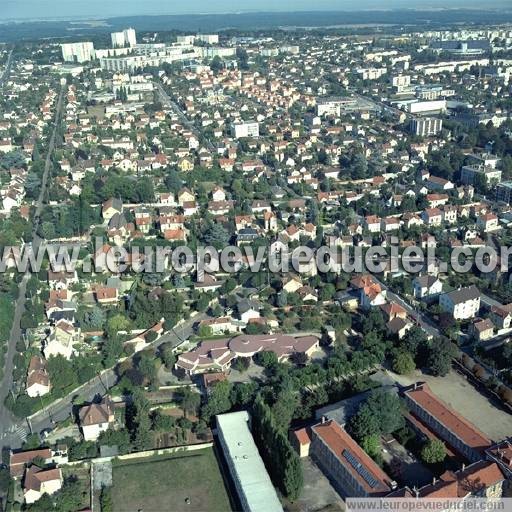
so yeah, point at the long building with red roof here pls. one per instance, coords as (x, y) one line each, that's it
(450, 426)
(352, 472)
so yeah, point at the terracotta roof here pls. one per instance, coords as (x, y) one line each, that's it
(94, 414)
(303, 437)
(35, 476)
(341, 444)
(18, 460)
(454, 422)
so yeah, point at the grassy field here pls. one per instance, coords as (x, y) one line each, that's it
(163, 484)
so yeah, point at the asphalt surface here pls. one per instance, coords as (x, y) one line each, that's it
(9, 425)
(7, 72)
(168, 102)
(420, 318)
(62, 408)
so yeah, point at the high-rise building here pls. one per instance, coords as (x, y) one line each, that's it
(245, 129)
(208, 38)
(426, 126)
(77, 52)
(127, 37)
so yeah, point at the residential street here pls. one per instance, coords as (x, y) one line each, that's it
(13, 433)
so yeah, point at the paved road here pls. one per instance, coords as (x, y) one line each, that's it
(62, 408)
(168, 102)
(8, 426)
(7, 71)
(421, 319)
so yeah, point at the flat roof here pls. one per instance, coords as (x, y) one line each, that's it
(241, 451)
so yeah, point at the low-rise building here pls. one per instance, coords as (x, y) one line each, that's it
(352, 472)
(450, 426)
(251, 480)
(95, 419)
(462, 304)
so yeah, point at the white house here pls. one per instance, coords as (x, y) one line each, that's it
(427, 286)
(462, 304)
(95, 419)
(39, 481)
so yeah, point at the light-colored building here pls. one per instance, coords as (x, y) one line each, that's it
(245, 129)
(39, 481)
(38, 380)
(426, 126)
(470, 172)
(446, 423)
(253, 485)
(127, 37)
(352, 472)
(427, 286)
(504, 192)
(77, 52)
(95, 419)
(462, 304)
(208, 38)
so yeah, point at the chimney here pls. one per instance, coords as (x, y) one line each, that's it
(433, 480)
(323, 419)
(463, 466)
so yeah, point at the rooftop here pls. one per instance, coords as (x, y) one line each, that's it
(241, 451)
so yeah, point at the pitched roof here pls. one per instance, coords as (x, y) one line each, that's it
(350, 455)
(94, 414)
(447, 417)
(464, 294)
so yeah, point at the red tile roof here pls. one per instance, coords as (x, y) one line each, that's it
(453, 421)
(339, 441)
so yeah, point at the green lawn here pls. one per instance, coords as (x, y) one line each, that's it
(163, 484)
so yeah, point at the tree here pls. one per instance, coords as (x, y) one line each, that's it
(62, 375)
(162, 422)
(413, 340)
(216, 64)
(242, 364)
(106, 499)
(403, 363)
(190, 400)
(440, 355)
(217, 236)
(139, 422)
(71, 496)
(146, 366)
(117, 323)
(219, 400)
(167, 355)
(433, 452)
(266, 358)
(371, 445)
(119, 438)
(364, 424)
(279, 456)
(284, 408)
(5, 480)
(386, 406)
